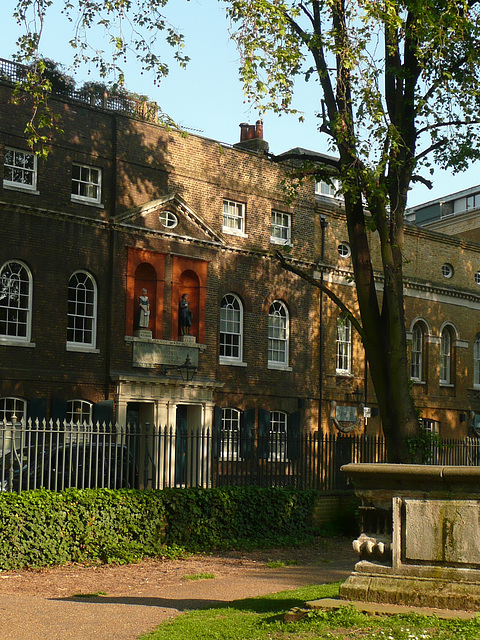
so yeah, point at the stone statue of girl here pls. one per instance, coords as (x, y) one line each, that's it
(143, 310)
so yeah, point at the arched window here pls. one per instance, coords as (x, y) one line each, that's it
(416, 360)
(79, 411)
(278, 335)
(476, 361)
(230, 434)
(446, 356)
(82, 310)
(344, 346)
(231, 329)
(278, 436)
(12, 407)
(15, 301)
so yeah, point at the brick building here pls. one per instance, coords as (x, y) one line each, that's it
(122, 204)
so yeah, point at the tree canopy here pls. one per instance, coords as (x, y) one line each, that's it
(398, 90)
(133, 27)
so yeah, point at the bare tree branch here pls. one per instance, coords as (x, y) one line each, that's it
(320, 285)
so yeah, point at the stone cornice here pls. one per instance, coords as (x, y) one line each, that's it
(344, 277)
(52, 213)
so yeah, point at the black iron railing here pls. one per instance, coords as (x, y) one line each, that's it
(58, 455)
(14, 72)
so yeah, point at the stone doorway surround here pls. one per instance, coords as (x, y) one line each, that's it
(166, 398)
(165, 394)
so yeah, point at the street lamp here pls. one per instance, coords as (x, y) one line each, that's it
(357, 394)
(187, 370)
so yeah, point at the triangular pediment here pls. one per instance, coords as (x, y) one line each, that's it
(168, 216)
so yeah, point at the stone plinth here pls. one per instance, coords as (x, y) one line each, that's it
(144, 334)
(420, 535)
(148, 353)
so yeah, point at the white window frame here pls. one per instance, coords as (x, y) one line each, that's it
(230, 434)
(168, 219)
(231, 330)
(281, 228)
(15, 302)
(233, 218)
(9, 406)
(416, 354)
(79, 412)
(430, 426)
(90, 181)
(322, 188)
(343, 346)
(278, 336)
(82, 313)
(344, 250)
(18, 170)
(446, 356)
(277, 450)
(476, 361)
(447, 270)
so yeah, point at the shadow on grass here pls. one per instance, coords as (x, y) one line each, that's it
(285, 600)
(274, 603)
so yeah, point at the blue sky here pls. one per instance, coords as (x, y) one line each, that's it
(207, 98)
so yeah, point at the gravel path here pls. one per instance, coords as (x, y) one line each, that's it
(59, 603)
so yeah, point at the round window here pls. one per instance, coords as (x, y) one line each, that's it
(168, 219)
(477, 277)
(344, 250)
(447, 270)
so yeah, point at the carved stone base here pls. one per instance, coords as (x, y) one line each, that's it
(421, 540)
(146, 334)
(412, 591)
(187, 339)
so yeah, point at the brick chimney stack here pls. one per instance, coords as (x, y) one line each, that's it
(251, 137)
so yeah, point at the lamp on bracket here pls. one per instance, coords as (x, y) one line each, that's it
(187, 370)
(357, 394)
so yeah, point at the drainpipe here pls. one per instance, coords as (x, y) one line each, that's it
(323, 225)
(111, 253)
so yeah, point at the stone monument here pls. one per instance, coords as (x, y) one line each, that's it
(420, 535)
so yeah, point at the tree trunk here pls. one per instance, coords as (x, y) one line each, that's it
(384, 332)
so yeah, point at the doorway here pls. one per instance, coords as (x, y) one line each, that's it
(190, 446)
(140, 419)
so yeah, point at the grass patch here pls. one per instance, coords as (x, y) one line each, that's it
(279, 564)
(199, 576)
(262, 619)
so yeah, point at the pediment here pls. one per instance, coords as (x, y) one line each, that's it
(168, 216)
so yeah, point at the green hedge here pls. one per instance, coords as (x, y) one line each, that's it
(41, 528)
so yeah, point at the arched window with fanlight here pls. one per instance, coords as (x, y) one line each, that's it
(79, 412)
(446, 356)
(278, 335)
(417, 353)
(344, 346)
(230, 434)
(476, 361)
(82, 311)
(231, 329)
(13, 411)
(15, 302)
